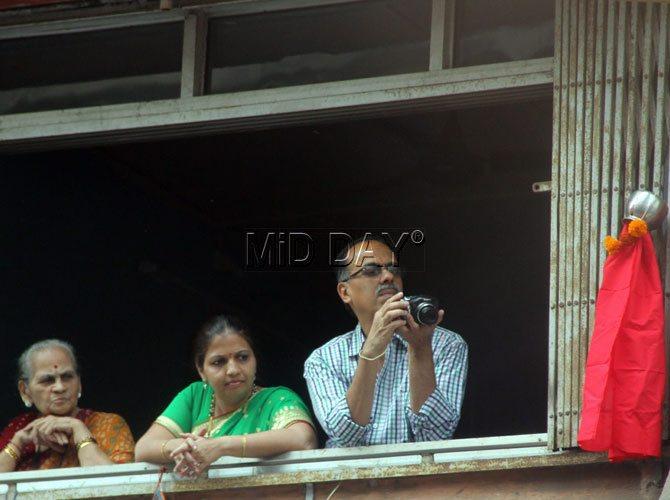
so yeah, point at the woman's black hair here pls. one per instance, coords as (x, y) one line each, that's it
(218, 325)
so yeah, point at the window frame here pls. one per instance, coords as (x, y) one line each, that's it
(440, 87)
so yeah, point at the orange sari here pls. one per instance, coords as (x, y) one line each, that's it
(110, 431)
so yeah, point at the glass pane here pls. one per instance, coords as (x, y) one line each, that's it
(491, 31)
(323, 44)
(91, 68)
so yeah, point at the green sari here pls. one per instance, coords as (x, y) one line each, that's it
(269, 408)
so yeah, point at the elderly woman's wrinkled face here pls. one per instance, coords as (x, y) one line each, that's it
(54, 386)
(230, 368)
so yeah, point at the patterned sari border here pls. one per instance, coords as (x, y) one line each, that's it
(170, 425)
(290, 415)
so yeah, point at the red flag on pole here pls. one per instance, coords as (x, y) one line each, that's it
(625, 369)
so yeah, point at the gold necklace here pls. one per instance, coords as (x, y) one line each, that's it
(212, 406)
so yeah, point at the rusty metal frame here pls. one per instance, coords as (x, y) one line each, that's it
(553, 244)
(143, 484)
(307, 467)
(611, 117)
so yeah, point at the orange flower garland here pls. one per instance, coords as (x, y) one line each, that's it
(636, 228)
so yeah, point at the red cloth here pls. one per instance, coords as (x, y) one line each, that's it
(625, 369)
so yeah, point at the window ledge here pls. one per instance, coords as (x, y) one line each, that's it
(312, 466)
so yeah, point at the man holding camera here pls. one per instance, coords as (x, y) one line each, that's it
(391, 379)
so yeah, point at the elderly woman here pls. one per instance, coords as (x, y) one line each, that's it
(226, 414)
(59, 433)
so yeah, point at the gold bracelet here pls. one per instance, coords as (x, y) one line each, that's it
(163, 450)
(244, 446)
(85, 442)
(361, 355)
(11, 450)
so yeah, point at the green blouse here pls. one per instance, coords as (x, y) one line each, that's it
(269, 408)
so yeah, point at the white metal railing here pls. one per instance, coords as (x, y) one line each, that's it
(331, 464)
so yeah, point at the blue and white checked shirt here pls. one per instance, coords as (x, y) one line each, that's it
(329, 372)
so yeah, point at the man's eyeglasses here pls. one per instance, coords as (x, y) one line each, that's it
(374, 270)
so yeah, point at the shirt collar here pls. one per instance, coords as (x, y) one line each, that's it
(358, 339)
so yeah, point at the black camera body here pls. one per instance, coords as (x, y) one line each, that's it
(424, 309)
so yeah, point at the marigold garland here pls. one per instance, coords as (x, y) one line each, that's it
(611, 244)
(636, 228)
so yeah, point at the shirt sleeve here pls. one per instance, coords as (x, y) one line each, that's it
(178, 416)
(328, 393)
(439, 415)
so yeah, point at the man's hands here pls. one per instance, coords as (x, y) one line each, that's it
(394, 315)
(416, 335)
(389, 318)
(51, 432)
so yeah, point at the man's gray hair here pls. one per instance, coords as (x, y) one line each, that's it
(25, 360)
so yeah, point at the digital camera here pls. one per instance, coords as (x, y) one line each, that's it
(424, 309)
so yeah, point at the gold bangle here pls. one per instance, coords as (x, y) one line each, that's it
(85, 442)
(163, 450)
(11, 450)
(361, 355)
(244, 446)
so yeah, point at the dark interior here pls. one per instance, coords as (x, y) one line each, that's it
(125, 250)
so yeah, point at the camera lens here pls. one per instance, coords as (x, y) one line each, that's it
(426, 314)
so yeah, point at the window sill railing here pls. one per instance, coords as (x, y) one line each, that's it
(312, 466)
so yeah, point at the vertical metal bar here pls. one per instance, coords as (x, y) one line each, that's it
(193, 60)
(309, 491)
(662, 172)
(661, 83)
(562, 228)
(606, 165)
(647, 70)
(619, 110)
(596, 158)
(556, 182)
(449, 33)
(442, 34)
(587, 251)
(437, 35)
(571, 261)
(577, 241)
(632, 121)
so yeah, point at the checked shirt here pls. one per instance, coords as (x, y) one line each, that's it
(329, 372)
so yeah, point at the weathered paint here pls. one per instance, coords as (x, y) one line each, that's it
(568, 474)
(602, 134)
(327, 102)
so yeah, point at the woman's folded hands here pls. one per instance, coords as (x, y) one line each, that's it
(52, 432)
(196, 454)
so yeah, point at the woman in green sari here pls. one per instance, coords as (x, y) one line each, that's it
(226, 414)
